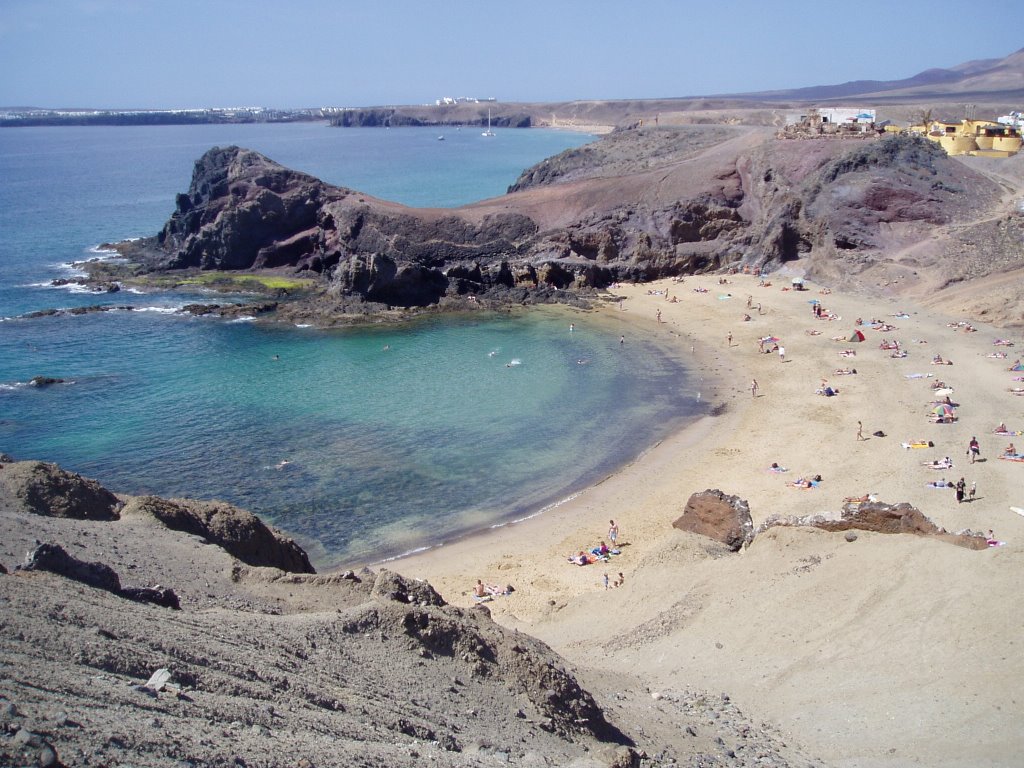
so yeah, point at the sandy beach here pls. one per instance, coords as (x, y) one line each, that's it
(888, 650)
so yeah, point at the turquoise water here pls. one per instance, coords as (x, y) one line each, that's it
(394, 438)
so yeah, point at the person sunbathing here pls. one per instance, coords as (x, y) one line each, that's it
(857, 499)
(845, 371)
(579, 559)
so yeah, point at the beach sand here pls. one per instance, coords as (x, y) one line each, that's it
(888, 650)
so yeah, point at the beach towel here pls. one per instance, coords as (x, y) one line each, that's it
(919, 444)
(918, 375)
(1015, 457)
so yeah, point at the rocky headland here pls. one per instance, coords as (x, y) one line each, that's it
(642, 203)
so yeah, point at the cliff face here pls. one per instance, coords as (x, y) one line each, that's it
(639, 205)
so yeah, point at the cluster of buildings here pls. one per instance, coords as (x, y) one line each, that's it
(969, 136)
(449, 101)
(1001, 137)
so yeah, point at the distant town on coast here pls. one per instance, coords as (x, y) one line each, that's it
(14, 117)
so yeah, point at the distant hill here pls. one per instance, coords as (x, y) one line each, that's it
(1001, 79)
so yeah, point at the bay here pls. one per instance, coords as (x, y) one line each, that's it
(394, 439)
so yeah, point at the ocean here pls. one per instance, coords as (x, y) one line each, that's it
(362, 443)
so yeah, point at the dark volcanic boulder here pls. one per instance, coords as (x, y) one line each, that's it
(237, 531)
(53, 558)
(723, 518)
(46, 489)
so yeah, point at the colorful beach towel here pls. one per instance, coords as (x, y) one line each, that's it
(918, 444)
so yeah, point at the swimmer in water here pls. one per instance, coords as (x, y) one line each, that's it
(282, 464)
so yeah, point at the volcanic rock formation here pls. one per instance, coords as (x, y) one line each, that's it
(640, 204)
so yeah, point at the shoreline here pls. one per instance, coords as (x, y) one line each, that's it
(607, 320)
(802, 620)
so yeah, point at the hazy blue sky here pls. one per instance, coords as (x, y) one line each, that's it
(293, 53)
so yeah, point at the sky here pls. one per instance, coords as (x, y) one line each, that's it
(179, 54)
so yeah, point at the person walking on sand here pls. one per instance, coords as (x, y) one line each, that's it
(974, 489)
(613, 532)
(753, 387)
(860, 431)
(961, 486)
(729, 338)
(782, 353)
(659, 315)
(606, 581)
(973, 449)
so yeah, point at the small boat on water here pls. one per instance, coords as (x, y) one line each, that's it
(441, 137)
(488, 132)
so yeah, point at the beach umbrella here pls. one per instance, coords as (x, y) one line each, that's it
(770, 338)
(943, 409)
(813, 301)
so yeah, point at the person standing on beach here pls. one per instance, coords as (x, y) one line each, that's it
(613, 532)
(729, 338)
(753, 387)
(659, 315)
(974, 489)
(961, 486)
(860, 431)
(973, 449)
(782, 353)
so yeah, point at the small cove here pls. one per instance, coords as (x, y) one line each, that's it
(395, 438)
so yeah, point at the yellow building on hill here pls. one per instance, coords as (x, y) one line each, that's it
(987, 138)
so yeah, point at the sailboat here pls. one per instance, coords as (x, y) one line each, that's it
(488, 132)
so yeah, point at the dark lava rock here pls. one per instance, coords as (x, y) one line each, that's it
(237, 531)
(720, 517)
(53, 558)
(166, 598)
(46, 489)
